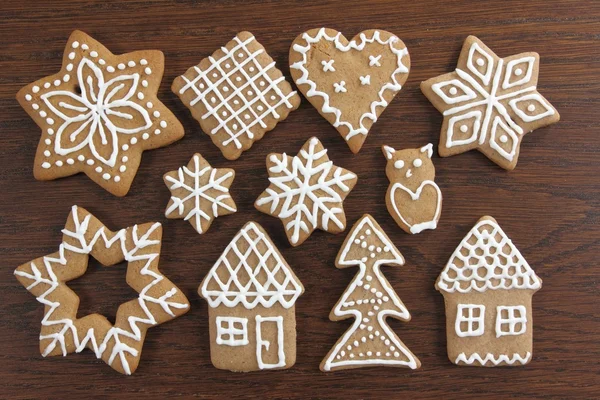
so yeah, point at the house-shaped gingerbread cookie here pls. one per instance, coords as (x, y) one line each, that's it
(251, 292)
(487, 287)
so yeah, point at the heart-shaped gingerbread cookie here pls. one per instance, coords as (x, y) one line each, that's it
(349, 82)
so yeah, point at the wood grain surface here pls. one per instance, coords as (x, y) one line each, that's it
(549, 205)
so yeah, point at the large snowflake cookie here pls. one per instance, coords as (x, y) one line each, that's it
(306, 192)
(251, 292)
(489, 103)
(487, 287)
(199, 193)
(237, 94)
(351, 82)
(99, 113)
(119, 345)
(370, 300)
(413, 198)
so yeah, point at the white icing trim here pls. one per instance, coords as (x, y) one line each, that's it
(512, 320)
(485, 78)
(530, 118)
(427, 148)
(495, 360)
(469, 94)
(393, 85)
(513, 136)
(417, 228)
(470, 319)
(65, 326)
(260, 343)
(509, 72)
(476, 125)
(485, 232)
(231, 331)
(233, 292)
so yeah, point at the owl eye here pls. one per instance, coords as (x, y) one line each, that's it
(399, 164)
(417, 163)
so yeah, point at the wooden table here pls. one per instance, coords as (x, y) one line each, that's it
(549, 205)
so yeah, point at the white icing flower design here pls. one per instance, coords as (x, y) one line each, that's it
(94, 117)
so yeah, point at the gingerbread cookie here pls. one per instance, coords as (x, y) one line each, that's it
(237, 94)
(251, 292)
(350, 83)
(487, 287)
(119, 345)
(413, 199)
(306, 192)
(199, 193)
(99, 113)
(369, 299)
(489, 103)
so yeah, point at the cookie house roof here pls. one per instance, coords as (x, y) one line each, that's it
(251, 271)
(487, 259)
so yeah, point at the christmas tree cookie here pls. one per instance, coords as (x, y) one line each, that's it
(369, 299)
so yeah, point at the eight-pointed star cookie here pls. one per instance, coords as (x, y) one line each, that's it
(199, 193)
(99, 113)
(351, 82)
(236, 94)
(306, 192)
(489, 103)
(119, 345)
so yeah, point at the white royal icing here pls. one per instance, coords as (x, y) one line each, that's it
(474, 319)
(65, 327)
(517, 316)
(229, 334)
(261, 343)
(381, 304)
(415, 196)
(480, 87)
(252, 89)
(374, 61)
(491, 358)
(316, 201)
(506, 270)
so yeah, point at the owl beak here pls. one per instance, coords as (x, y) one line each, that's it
(408, 173)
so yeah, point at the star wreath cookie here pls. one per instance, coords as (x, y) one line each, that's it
(351, 82)
(306, 192)
(237, 94)
(199, 193)
(489, 103)
(119, 345)
(99, 113)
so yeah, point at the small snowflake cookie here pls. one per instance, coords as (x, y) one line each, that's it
(119, 345)
(306, 192)
(488, 287)
(251, 292)
(489, 103)
(237, 94)
(99, 113)
(351, 82)
(199, 193)
(413, 199)
(370, 299)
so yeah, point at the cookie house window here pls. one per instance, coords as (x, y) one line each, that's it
(232, 331)
(469, 320)
(510, 320)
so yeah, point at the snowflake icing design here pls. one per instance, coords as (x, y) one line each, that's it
(102, 108)
(489, 103)
(199, 193)
(306, 192)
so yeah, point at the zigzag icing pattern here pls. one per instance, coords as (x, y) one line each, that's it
(327, 108)
(119, 348)
(489, 357)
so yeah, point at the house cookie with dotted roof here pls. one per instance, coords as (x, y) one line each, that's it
(236, 94)
(488, 287)
(99, 113)
(251, 292)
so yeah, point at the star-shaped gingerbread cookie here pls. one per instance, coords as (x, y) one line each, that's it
(99, 113)
(489, 103)
(119, 345)
(306, 192)
(199, 193)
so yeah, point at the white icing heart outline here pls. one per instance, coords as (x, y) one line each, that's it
(327, 108)
(417, 228)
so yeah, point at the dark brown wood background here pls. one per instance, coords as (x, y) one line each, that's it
(548, 205)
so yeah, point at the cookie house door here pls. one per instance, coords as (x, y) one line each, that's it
(269, 342)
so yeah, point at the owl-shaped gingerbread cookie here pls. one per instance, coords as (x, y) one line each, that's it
(413, 198)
